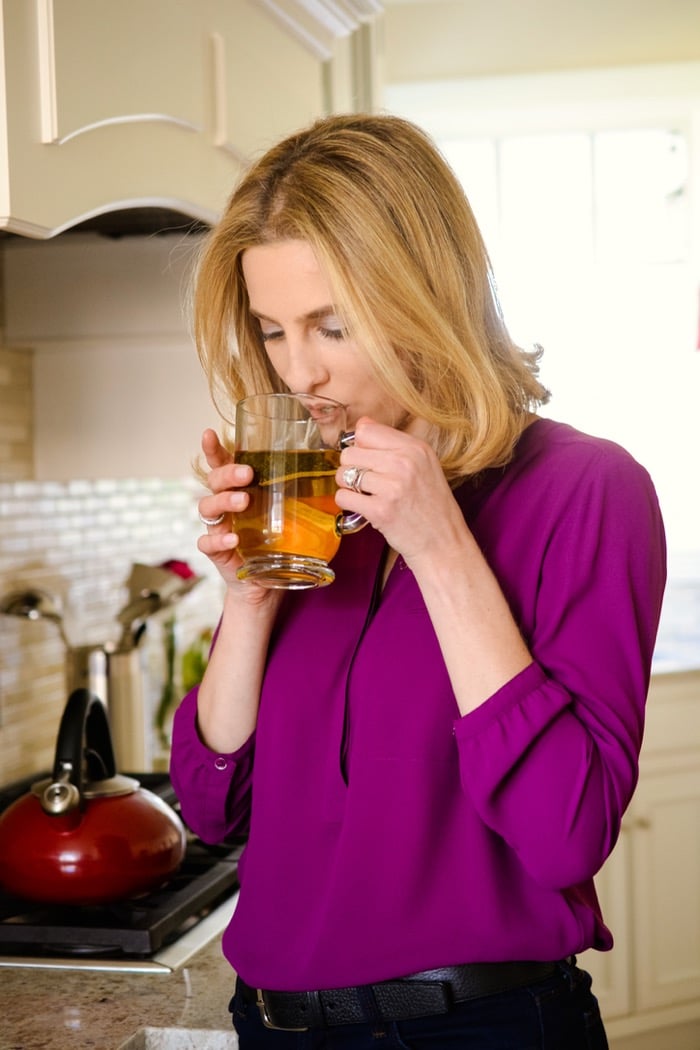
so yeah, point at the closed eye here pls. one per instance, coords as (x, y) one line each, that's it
(325, 332)
(333, 333)
(267, 337)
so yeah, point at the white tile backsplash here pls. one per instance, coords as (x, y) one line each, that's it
(78, 541)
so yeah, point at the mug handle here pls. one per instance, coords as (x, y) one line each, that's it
(346, 523)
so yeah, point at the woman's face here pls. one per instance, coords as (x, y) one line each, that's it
(304, 338)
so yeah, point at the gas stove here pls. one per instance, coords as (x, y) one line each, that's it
(156, 932)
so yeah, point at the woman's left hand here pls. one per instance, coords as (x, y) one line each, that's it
(404, 493)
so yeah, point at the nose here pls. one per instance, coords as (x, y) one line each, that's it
(304, 370)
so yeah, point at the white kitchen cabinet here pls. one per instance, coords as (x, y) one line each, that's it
(158, 103)
(666, 862)
(611, 970)
(650, 886)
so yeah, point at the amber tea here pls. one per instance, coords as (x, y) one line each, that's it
(292, 504)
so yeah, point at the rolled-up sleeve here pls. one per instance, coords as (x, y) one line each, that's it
(551, 760)
(213, 788)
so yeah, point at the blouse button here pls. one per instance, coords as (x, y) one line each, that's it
(221, 763)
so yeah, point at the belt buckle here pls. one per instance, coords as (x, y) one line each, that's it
(267, 1020)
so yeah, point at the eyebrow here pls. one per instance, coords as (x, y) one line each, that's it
(313, 315)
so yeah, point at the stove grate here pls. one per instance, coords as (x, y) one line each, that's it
(132, 928)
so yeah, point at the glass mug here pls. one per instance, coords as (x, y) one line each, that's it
(292, 526)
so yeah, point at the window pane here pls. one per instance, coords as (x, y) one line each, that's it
(474, 162)
(546, 199)
(641, 195)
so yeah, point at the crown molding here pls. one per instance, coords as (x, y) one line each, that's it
(317, 24)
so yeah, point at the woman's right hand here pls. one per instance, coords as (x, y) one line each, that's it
(227, 704)
(225, 480)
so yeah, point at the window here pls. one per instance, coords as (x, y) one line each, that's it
(590, 230)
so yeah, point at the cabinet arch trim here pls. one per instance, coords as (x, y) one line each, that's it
(187, 210)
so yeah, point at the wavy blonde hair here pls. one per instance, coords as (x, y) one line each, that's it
(411, 278)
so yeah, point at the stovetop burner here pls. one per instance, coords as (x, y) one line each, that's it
(131, 929)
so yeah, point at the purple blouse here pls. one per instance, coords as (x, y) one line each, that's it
(388, 834)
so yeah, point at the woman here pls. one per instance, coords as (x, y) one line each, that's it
(432, 756)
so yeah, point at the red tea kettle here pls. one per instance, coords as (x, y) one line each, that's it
(87, 835)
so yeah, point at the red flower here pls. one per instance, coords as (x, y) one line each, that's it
(179, 568)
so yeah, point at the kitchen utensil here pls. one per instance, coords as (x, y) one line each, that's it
(34, 604)
(134, 614)
(168, 585)
(87, 834)
(117, 675)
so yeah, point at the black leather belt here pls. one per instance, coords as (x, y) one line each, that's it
(422, 994)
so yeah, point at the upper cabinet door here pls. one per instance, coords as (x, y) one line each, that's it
(156, 102)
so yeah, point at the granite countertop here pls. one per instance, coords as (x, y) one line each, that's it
(86, 1010)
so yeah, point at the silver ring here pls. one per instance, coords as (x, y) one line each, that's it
(352, 479)
(211, 521)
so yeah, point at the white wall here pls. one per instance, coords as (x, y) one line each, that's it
(119, 391)
(429, 39)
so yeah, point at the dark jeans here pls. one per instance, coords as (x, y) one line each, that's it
(560, 1013)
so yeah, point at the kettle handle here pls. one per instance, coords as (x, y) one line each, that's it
(83, 738)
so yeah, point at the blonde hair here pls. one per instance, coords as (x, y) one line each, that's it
(397, 239)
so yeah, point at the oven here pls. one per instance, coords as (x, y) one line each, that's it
(156, 932)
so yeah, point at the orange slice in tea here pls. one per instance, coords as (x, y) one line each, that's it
(310, 530)
(325, 502)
